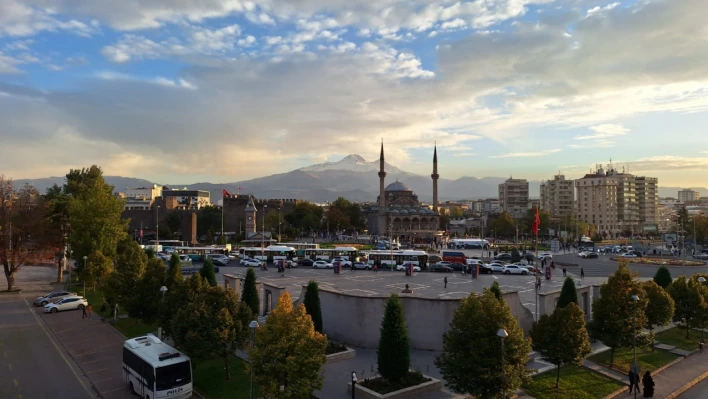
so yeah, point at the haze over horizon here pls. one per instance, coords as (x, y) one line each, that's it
(224, 91)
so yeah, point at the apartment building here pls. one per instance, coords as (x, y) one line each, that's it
(141, 198)
(648, 201)
(186, 199)
(558, 196)
(597, 201)
(687, 195)
(514, 197)
(491, 205)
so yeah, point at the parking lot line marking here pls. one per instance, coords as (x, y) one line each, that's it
(4, 354)
(19, 396)
(96, 371)
(14, 381)
(9, 366)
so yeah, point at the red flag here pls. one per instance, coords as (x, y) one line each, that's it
(225, 193)
(536, 223)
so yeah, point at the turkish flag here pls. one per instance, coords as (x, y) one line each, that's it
(225, 193)
(536, 223)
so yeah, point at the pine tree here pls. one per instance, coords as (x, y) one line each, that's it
(661, 307)
(471, 358)
(515, 255)
(562, 337)
(312, 304)
(568, 293)
(663, 277)
(250, 291)
(496, 290)
(174, 273)
(207, 271)
(394, 350)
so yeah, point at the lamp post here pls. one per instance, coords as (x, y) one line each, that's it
(253, 325)
(701, 281)
(279, 239)
(163, 289)
(634, 370)
(85, 261)
(502, 334)
(354, 380)
(157, 229)
(265, 209)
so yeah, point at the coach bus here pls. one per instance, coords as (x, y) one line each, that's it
(270, 253)
(153, 369)
(394, 258)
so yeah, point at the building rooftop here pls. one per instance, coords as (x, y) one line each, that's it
(397, 186)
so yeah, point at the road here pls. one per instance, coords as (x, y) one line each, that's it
(603, 267)
(699, 391)
(32, 364)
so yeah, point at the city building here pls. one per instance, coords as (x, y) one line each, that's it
(535, 203)
(648, 201)
(185, 199)
(514, 197)
(558, 196)
(688, 195)
(140, 198)
(491, 205)
(597, 202)
(399, 214)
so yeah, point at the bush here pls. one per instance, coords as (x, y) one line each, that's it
(515, 255)
(250, 291)
(568, 294)
(208, 273)
(312, 304)
(663, 277)
(394, 351)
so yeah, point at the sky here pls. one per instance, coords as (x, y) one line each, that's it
(180, 91)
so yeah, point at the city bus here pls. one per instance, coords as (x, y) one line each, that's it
(394, 258)
(454, 257)
(271, 252)
(153, 369)
(199, 253)
(327, 254)
(470, 243)
(300, 245)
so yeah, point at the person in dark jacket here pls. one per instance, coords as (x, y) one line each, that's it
(648, 383)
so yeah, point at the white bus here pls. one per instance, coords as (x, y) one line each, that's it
(394, 258)
(153, 369)
(274, 252)
(300, 245)
(469, 243)
(327, 254)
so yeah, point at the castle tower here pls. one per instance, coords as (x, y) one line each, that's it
(382, 194)
(435, 177)
(250, 217)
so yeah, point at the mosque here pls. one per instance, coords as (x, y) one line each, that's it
(398, 213)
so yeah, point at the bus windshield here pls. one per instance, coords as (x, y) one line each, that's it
(172, 376)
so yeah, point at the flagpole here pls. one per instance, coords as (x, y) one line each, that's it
(223, 205)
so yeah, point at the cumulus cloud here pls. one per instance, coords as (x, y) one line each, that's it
(603, 131)
(526, 154)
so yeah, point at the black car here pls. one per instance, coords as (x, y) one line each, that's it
(484, 269)
(592, 255)
(305, 262)
(504, 256)
(458, 267)
(440, 268)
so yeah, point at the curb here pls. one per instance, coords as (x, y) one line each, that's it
(659, 370)
(687, 386)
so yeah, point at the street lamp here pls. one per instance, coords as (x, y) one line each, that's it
(157, 228)
(502, 334)
(85, 260)
(701, 281)
(265, 209)
(634, 368)
(253, 325)
(354, 380)
(163, 289)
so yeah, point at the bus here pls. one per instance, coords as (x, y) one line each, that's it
(153, 369)
(270, 253)
(394, 258)
(470, 243)
(199, 253)
(300, 245)
(454, 257)
(327, 254)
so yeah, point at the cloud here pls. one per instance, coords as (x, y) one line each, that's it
(594, 144)
(606, 130)
(9, 64)
(667, 163)
(20, 18)
(464, 154)
(526, 154)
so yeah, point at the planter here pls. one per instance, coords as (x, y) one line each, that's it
(347, 354)
(661, 262)
(429, 386)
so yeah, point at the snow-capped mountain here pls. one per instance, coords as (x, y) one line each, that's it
(351, 163)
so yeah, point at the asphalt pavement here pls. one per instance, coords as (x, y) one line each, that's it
(700, 391)
(32, 363)
(604, 267)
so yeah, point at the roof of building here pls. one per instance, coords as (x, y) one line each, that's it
(250, 206)
(397, 186)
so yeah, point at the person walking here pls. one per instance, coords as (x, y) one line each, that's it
(582, 273)
(445, 280)
(648, 383)
(564, 272)
(376, 267)
(632, 379)
(89, 308)
(84, 313)
(103, 309)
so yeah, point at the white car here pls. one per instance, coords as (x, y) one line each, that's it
(403, 267)
(162, 256)
(345, 263)
(52, 297)
(68, 303)
(320, 264)
(515, 269)
(185, 259)
(545, 256)
(496, 267)
(250, 262)
(628, 255)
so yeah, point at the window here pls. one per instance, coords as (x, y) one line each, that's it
(140, 368)
(173, 376)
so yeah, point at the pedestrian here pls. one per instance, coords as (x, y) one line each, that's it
(103, 309)
(700, 347)
(445, 280)
(564, 271)
(637, 377)
(582, 273)
(648, 383)
(553, 265)
(376, 267)
(84, 313)
(89, 308)
(632, 378)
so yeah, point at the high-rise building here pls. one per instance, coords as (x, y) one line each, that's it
(648, 201)
(557, 196)
(514, 197)
(688, 195)
(597, 201)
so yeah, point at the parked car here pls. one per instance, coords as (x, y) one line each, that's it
(251, 262)
(515, 269)
(440, 268)
(185, 259)
(233, 255)
(162, 256)
(445, 263)
(52, 297)
(628, 255)
(361, 266)
(496, 267)
(320, 264)
(504, 256)
(457, 266)
(68, 303)
(305, 262)
(345, 263)
(219, 259)
(404, 267)
(546, 256)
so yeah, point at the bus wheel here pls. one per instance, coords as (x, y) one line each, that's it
(132, 388)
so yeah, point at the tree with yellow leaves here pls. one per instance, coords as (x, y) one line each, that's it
(288, 353)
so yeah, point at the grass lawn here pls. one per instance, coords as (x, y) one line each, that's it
(210, 379)
(575, 383)
(677, 337)
(647, 359)
(134, 328)
(383, 386)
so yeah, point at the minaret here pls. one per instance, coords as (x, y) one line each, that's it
(435, 177)
(382, 194)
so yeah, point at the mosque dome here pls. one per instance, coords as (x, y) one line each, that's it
(397, 186)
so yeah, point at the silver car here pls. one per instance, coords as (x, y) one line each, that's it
(52, 297)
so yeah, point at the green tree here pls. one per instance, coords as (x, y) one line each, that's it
(305, 217)
(562, 337)
(312, 304)
(496, 290)
(250, 291)
(173, 222)
(94, 214)
(683, 219)
(288, 353)
(150, 253)
(130, 267)
(504, 225)
(98, 268)
(688, 302)
(145, 305)
(614, 311)
(394, 350)
(177, 299)
(174, 273)
(515, 255)
(471, 359)
(568, 294)
(456, 212)
(661, 307)
(208, 220)
(207, 271)
(663, 277)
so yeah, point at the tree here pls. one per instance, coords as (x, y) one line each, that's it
(207, 271)
(614, 311)
(661, 306)
(663, 277)
(305, 217)
(688, 302)
(57, 202)
(174, 273)
(25, 231)
(515, 255)
(568, 294)
(394, 356)
(250, 291)
(312, 304)
(145, 304)
(173, 222)
(496, 290)
(562, 338)
(504, 225)
(471, 359)
(98, 268)
(130, 267)
(456, 212)
(336, 218)
(177, 299)
(288, 353)
(94, 214)
(208, 220)
(683, 219)
(545, 217)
